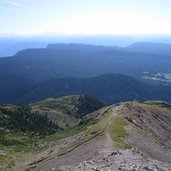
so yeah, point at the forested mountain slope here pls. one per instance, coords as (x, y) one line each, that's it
(109, 88)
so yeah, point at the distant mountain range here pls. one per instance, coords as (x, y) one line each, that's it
(78, 60)
(151, 48)
(10, 49)
(11, 44)
(66, 69)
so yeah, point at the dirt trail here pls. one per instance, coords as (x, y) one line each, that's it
(109, 142)
(90, 155)
(109, 145)
(102, 160)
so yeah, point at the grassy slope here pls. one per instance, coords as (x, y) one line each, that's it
(118, 133)
(66, 110)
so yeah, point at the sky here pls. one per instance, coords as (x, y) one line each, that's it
(72, 17)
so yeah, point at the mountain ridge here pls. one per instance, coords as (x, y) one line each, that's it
(78, 60)
(151, 48)
(136, 133)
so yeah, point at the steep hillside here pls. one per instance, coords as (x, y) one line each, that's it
(150, 128)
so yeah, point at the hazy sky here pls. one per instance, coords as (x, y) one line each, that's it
(86, 16)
